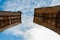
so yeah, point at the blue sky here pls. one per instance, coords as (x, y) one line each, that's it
(27, 30)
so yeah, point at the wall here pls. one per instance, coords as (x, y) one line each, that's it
(8, 19)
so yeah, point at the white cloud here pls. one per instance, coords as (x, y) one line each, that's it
(55, 2)
(42, 33)
(13, 30)
(28, 29)
(37, 32)
(15, 5)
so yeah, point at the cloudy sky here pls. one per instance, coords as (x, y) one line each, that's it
(27, 30)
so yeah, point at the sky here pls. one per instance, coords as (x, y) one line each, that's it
(27, 30)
